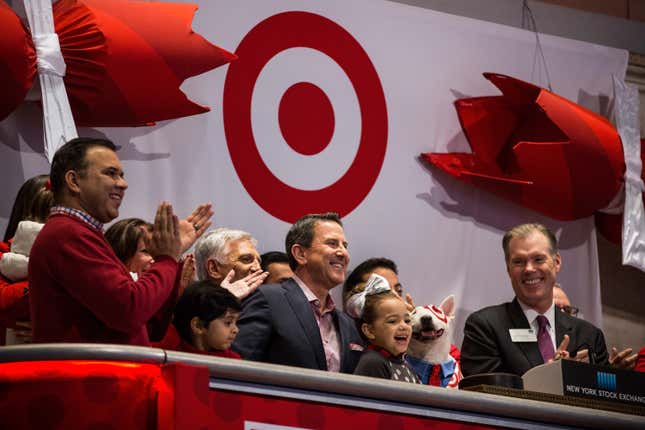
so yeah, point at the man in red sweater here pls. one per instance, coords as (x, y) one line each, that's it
(80, 290)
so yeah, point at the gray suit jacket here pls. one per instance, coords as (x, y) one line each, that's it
(277, 325)
(487, 345)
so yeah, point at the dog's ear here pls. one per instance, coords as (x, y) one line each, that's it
(448, 306)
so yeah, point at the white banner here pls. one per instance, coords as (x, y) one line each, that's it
(313, 72)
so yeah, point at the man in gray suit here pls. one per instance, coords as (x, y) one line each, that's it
(516, 336)
(296, 322)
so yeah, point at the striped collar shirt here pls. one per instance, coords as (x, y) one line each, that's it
(83, 216)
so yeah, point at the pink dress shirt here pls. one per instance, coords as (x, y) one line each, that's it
(325, 320)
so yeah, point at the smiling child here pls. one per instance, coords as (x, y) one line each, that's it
(385, 323)
(206, 319)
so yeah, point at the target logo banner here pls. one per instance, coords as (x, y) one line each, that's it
(327, 109)
(306, 117)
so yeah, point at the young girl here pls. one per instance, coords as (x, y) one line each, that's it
(385, 323)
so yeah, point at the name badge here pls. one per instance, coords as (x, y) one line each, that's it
(522, 335)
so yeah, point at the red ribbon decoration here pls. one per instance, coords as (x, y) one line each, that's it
(537, 149)
(125, 60)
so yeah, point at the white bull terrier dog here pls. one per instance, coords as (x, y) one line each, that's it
(430, 352)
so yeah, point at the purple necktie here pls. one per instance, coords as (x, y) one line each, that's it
(544, 339)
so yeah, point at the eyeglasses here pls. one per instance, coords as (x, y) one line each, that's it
(571, 310)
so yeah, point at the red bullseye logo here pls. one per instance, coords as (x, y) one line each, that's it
(305, 116)
(307, 131)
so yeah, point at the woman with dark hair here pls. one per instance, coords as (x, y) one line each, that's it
(127, 238)
(30, 211)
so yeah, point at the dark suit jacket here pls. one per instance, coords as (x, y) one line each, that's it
(277, 325)
(487, 345)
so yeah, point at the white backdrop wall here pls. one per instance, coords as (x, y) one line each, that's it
(444, 235)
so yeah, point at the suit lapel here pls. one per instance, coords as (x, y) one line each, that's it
(529, 349)
(305, 315)
(343, 341)
(563, 326)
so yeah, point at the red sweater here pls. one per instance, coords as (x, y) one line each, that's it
(174, 342)
(640, 361)
(14, 300)
(227, 353)
(14, 304)
(81, 291)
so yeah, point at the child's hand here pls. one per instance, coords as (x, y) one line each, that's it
(246, 285)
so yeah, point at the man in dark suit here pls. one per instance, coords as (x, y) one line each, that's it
(514, 337)
(296, 322)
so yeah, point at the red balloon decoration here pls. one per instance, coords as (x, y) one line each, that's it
(125, 59)
(17, 60)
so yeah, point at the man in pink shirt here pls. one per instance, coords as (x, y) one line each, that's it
(296, 321)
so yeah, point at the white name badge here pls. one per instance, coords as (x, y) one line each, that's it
(522, 335)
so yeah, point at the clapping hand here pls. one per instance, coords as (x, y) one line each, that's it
(562, 353)
(246, 285)
(622, 359)
(187, 275)
(164, 239)
(195, 224)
